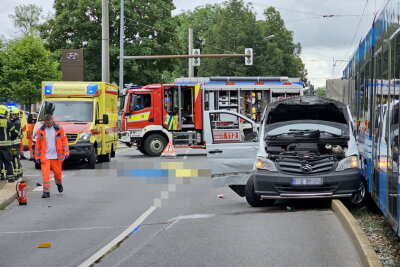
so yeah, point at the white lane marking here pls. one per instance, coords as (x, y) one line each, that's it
(188, 217)
(119, 238)
(60, 230)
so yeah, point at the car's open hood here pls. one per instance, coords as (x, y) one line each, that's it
(307, 108)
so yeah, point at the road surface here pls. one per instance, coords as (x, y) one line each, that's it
(181, 221)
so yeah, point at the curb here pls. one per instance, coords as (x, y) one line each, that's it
(7, 195)
(360, 241)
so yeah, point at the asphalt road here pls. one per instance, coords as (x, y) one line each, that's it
(188, 226)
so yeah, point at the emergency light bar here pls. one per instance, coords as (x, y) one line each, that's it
(76, 89)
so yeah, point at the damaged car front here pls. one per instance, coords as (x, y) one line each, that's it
(307, 149)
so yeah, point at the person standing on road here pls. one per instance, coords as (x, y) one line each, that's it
(5, 143)
(16, 141)
(51, 149)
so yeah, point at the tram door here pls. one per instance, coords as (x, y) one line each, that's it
(393, 166)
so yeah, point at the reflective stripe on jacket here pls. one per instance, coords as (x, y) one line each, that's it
(5, 126)
(62, 148)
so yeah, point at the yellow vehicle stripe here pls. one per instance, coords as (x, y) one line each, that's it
(139, 117)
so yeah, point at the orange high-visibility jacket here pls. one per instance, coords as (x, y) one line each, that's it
(61, 143)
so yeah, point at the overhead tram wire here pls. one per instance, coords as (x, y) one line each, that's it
(355, 34)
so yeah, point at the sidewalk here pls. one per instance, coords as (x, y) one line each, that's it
(7, 193)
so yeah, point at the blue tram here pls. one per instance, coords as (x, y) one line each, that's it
(372, 92)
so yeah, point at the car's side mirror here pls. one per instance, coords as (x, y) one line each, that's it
(105, 119)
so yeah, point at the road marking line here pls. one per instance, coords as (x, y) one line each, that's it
(39, 188)
(188, 217)
(60, 230)
(118, 239)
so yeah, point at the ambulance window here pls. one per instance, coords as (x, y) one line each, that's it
(171, 100)
(97, 111)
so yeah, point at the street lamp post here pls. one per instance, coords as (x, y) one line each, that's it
(105, 43)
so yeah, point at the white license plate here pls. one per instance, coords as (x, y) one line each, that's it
(306, 181)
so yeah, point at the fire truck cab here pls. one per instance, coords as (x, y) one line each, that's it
(154, 114)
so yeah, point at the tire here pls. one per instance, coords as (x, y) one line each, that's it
(37, 166)
(112, 152)
(141, 150)
(358, 198)
(253, 199)
(92, 159)
(154, 145)
(105, 158)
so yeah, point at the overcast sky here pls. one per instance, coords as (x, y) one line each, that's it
(325, 41)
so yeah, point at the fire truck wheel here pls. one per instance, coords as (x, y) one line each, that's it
(154, 145)
(141, 149)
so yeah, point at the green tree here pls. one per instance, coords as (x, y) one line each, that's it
(27, 17)
(320, 91)
(230, 28)
(26, 63)
(280, 50)
(148, 27)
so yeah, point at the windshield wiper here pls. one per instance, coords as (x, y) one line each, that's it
(335, 135)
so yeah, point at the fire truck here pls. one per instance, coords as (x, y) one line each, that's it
(153, 115)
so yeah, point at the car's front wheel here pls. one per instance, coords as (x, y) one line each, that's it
(358, 198)
(252, 198)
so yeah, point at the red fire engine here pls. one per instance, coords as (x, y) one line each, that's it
(153, 115)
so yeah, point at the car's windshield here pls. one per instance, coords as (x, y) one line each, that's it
(305, 127)
(63, 111)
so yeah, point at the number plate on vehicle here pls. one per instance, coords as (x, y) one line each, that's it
(306, 181)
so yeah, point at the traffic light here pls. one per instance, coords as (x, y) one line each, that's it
(248, 61)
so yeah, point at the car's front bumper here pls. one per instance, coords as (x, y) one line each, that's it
(275, 185)
(80, 150)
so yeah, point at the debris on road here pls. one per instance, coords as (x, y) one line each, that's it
(38, 184)
(45, 245)
(221, 196)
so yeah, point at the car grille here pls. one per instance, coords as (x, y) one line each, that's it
(71, 137)
(284, 188)
(318, 166)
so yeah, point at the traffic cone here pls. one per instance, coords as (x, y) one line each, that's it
(169, 151)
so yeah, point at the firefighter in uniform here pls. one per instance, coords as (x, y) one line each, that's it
(5, 143)
(51, 149)
(16, 141)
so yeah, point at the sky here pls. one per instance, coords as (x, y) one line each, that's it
(327, 42)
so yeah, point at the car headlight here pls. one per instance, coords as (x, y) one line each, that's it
(265, 164)
(347, 163)
(84, 137)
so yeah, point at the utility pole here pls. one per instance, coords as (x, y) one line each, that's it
(105, 42)
(191, 69)
(121, 47)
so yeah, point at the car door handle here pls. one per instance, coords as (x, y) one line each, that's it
(215, 151)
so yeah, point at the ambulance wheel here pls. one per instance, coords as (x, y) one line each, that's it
(37, 166)
(92, 159)
(106, 157)
(112, 152)
(154, 145)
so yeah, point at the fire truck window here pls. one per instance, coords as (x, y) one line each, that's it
(171, 102)
(143, 101)
(229, 128)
